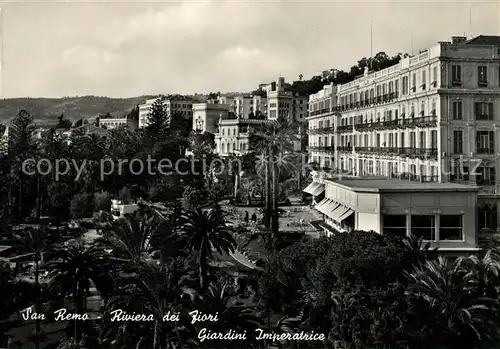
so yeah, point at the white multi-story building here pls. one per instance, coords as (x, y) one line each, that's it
(206, 116)
(110, 122)
(181, 105)
(245, 106)
(233, 136)
(432, 117)
(283, 103)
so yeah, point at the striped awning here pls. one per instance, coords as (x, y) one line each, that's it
(326, 206)
(346, 214)
(318, 190)
(314, 189)
(340, 213)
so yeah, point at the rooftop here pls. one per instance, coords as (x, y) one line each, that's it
(378, 184)
(485, 40)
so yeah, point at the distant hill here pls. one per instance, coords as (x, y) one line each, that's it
(46, 110)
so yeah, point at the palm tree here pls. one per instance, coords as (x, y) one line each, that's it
(130, 238)
(156, 289)
(460, 314)
(34, 242)
(72, 270)
(205, 230)
(274, 142)
(219, 300)
(484, 273)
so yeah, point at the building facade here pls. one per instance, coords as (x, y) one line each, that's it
(233, 136)
(111, 122)
(442, 213)
(206, 116)
(433, 117)
(245, 106)
(284, 103)
(177, 104)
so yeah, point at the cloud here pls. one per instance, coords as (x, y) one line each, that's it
(186, 47)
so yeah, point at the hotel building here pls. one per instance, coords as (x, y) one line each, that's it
(181, 105)
(433, 118)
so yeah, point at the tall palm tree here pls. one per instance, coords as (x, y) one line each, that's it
(34, 242)
(274, 142)
(156, 289)
(72, 270)
(205, 230)
(461, 315)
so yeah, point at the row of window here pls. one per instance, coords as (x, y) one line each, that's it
(450, 227)
(484, 175)
(390, 140)
(391, 87)
(482, 75)
(485, 142)
(482, 110)
(387, 115)
(369, 167)
(232, 147)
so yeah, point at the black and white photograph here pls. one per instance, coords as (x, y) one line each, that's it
(249, 174)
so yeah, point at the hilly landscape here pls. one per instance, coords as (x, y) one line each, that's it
(46, 110)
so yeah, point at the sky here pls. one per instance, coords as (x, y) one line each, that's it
(125, 49)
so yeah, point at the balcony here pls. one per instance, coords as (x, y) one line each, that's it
(324, 148)
(456, 83)
(422, 122)
(321, 111)
(321, 130)
(411, 152)
(485, 150)
(317, 167)
(484, 117)
(345, 128)
(345, 149)
(482, 83)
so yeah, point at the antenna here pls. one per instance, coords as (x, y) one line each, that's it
(411, 40)
(470, 20)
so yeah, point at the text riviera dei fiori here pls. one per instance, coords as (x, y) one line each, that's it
(196, 316)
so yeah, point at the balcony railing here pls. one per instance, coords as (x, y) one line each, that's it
(424, 121)
(368, 102)
(345, 128)
(321, 130)
(345, 149)
(326, 148)
(484, 117)
(411, 152)
(485, 150)
(321, 111)
(318, 167)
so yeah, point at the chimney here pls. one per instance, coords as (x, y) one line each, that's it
(458, 40)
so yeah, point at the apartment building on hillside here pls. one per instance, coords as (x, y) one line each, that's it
(110, 122)
(177, 104)
(284, 103)
(433, 117)
(245, 106)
